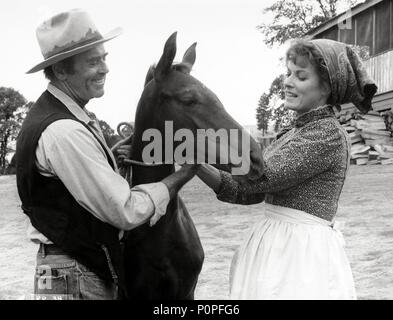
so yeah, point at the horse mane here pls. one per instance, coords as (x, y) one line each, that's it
(150, 74)
(183, 67)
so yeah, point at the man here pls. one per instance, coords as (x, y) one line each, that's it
(67, 177)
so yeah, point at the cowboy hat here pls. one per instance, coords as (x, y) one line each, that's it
(67, 34)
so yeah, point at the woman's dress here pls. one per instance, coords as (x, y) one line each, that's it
(295, 251)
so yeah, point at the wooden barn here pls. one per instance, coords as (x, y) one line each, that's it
(369, 25)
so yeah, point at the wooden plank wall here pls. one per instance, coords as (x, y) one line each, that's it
(380, 68)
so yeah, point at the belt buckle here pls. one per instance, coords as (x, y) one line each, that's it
(42, 250)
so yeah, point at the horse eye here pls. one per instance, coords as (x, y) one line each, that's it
(165, 96)
(188, 101)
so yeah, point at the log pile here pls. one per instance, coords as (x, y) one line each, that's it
(370, 134)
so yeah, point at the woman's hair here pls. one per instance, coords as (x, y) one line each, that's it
(302, 52)
(67, 64)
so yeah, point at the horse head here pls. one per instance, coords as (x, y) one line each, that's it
(164, 261)
(202, 129)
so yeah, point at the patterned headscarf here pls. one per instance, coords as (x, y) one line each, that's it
(349, 80)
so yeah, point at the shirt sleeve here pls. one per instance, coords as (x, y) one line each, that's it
(66, 149)
(308, 153)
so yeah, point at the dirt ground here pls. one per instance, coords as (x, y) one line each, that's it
(365, 210)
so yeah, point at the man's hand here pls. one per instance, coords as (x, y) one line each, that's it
(122, 150)
(176, 180)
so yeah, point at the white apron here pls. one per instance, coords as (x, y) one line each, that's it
(290, 254)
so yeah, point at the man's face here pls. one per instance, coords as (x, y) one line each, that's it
(88, 79)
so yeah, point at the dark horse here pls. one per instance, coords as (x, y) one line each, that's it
(164, 261)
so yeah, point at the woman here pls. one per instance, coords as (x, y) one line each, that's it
(295, 251)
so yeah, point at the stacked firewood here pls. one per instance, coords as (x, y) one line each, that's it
(371, 135)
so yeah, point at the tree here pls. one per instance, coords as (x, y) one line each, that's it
(13, 107)
(291, 19)
(294, 18)
(264, 113)
(109, 134)
(282, 117)
(269, 101)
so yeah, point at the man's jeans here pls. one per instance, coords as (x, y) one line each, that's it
(60, 277)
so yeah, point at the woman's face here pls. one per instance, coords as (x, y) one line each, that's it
(303, 88)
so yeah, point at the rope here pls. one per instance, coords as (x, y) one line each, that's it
(142, 164)
(131, 162)
(127, 124)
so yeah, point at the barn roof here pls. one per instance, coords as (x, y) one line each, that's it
(342, 16)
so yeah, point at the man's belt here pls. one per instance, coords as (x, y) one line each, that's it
(46, 249)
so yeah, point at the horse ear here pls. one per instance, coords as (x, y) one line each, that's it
(165, 63)
(190, 55)
(149, 75)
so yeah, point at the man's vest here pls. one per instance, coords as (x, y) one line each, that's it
(52, 209)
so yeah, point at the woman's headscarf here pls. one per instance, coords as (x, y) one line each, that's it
(349, 80)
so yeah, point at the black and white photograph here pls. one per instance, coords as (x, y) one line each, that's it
(207, 150)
